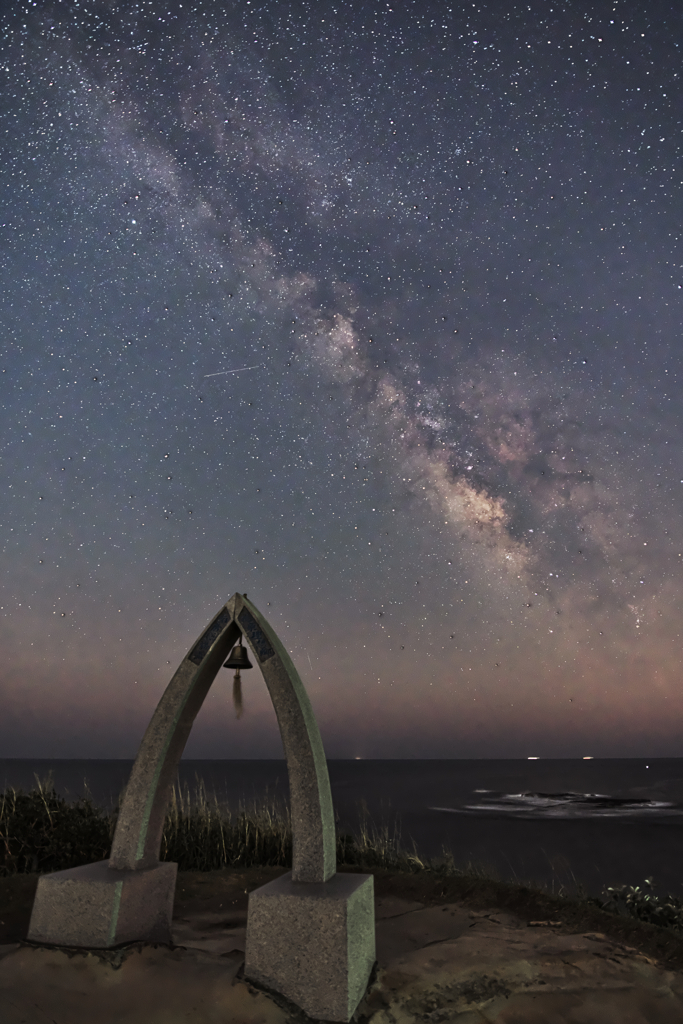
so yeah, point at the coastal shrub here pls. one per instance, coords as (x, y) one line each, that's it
(634, 901)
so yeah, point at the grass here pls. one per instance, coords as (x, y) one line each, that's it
(40, 832)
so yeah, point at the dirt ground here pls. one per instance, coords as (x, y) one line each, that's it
(447, 949)
(228, 889)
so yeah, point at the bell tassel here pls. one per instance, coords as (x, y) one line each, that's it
(237, 694)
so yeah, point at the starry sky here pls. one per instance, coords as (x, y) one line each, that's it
(373, 312)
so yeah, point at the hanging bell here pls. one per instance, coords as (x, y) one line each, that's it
(239, 658)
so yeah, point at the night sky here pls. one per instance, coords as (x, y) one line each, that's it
(372, 312)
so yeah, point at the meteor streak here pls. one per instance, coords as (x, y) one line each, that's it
(238, 370)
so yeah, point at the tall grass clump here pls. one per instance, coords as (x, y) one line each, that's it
(40, 832)
(377, 847)
(200, 836)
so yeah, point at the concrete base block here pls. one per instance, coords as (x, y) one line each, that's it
(98, 907)
(313, 942)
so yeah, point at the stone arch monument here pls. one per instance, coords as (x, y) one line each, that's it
(311, 932)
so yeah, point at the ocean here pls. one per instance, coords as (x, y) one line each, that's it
(559, 822)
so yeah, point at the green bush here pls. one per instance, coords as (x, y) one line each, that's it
(632, 901)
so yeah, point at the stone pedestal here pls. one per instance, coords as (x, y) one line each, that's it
(98, 907)
(313, 942)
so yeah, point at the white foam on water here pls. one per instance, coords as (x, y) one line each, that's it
(565, 805)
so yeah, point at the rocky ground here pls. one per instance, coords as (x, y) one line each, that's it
(447, 950)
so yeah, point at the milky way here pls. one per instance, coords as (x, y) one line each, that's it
(372, 312)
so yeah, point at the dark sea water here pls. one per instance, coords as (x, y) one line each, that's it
(560, 822)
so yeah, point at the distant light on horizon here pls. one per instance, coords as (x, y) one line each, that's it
(533, 759)
(589, 757)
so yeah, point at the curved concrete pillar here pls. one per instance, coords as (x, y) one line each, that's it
(137, 839)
